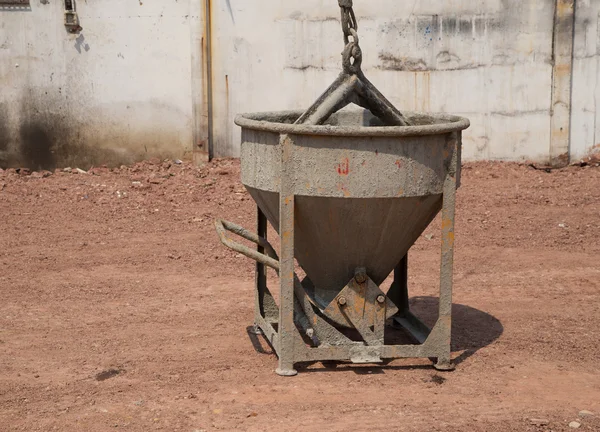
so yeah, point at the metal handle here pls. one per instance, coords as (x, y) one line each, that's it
(271, 259)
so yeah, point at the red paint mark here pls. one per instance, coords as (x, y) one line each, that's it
(344, 167)
(399, 163)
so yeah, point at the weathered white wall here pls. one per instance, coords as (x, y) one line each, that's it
(119, 91)
(133, 83)
(585, 117)
(488, 60)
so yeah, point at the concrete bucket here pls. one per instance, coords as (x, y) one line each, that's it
(349, 192)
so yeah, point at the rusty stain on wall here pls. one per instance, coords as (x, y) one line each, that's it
(4, 130)
(97, 98)
(392, 62)
(50, 135)
(564, 22)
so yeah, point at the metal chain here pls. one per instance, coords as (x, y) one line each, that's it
(352, 54)
(348, 19)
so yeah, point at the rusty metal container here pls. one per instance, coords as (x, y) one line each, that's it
(349, 193)
(364, 192)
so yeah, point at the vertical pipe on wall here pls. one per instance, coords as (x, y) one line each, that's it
(201, 82)
(562, 54)
(209, 76)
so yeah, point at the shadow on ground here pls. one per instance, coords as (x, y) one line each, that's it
(472, 329)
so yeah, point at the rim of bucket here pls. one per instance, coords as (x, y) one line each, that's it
(439, 123)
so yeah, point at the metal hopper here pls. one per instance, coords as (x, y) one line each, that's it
(349, 192)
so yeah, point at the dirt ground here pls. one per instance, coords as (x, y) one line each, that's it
(120, 310)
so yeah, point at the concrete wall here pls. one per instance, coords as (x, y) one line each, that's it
(585, 118)
(134, 83)
(488, 60)
(119, 91)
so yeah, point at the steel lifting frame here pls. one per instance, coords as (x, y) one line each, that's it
(279, 323)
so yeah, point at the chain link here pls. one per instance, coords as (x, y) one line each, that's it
(352, 54)
(348, 19)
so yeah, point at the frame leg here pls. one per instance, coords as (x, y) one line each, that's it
(286, 273)
(398, 292)
(260, 274)
(404, 319)
(444, 360)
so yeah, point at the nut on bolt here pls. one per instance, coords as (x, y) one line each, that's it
(342, 301)
(360, 276)
(381, 299)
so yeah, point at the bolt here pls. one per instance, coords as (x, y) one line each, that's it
(381, 299)
(342, 301)
(360, 277)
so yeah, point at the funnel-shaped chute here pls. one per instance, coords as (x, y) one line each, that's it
(334, 236)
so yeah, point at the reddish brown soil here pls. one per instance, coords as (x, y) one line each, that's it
(120, 310)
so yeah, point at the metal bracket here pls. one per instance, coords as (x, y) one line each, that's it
(357, 89)
(71, 17)
(364, 307)
(360, 299)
